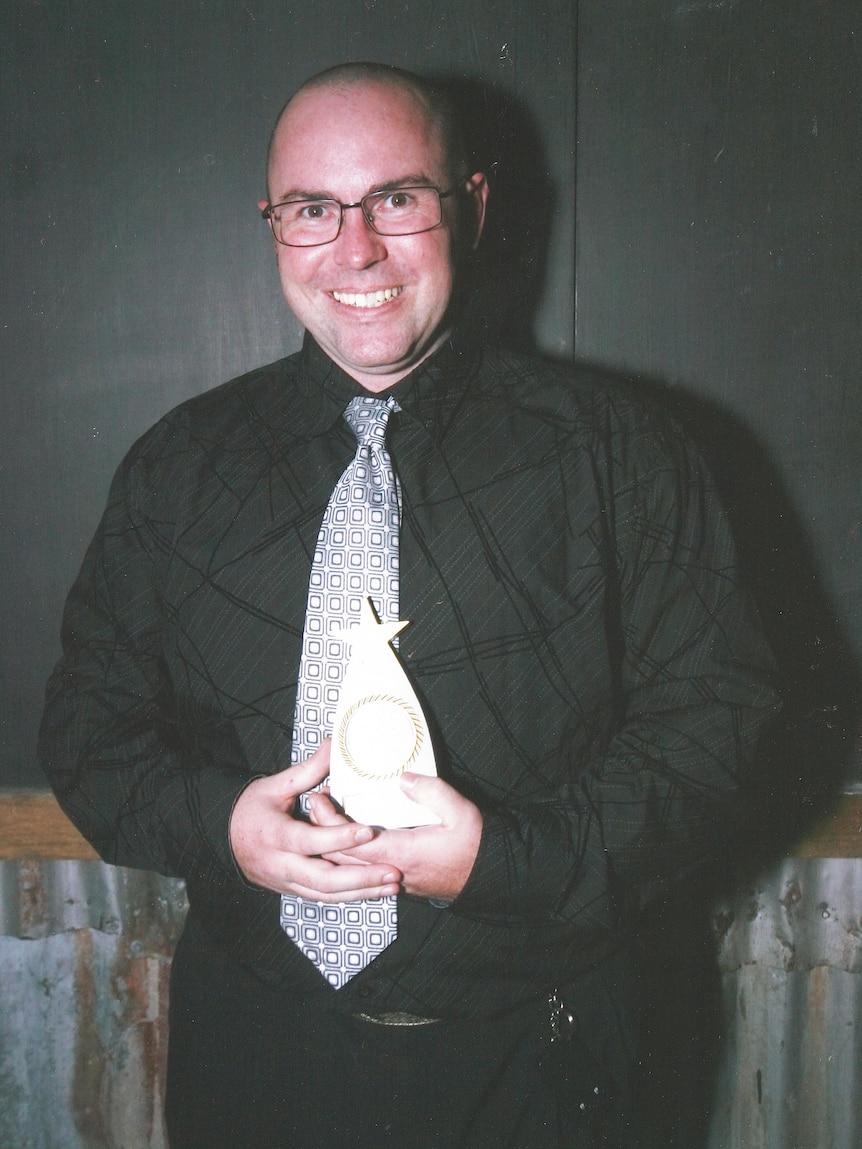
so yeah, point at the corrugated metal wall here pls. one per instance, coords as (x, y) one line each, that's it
(85, 952)
(790, 952)
(84, 960)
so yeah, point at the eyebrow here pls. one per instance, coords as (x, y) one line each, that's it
(411, 180)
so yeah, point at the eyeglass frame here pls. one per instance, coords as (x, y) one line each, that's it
(266, 213)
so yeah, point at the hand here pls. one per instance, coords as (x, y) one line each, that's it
(435, 861)
(279, 852)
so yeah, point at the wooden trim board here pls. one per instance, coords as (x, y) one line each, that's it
(837, 834)
(32, 825)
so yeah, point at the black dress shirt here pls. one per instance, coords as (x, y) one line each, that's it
(594, 675)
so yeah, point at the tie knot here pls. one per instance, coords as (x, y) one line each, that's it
(368, 417)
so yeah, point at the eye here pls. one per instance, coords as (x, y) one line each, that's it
(399, 200)
(304, 211)
(312, 211)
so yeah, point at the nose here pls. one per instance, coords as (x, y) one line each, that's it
(357, 245)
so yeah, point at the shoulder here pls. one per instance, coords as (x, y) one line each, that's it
(220, 438)
(233, 415)
(584, 405)
(262, 396)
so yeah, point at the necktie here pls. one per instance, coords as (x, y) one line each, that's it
(356, 558)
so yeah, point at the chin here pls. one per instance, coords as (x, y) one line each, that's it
(382, 360)
(387, 356)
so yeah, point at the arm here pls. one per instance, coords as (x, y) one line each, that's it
(148, 789)
(664, 786)
(109, 740)
(667, 788)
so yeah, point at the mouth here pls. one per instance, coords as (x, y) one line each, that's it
(366, 299)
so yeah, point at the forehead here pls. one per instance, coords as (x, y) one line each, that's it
(347, 139)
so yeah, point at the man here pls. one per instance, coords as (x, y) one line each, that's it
(591, 671)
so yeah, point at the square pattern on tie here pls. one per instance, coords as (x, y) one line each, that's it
(356, 557)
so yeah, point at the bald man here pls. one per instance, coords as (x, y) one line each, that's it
(594, 678)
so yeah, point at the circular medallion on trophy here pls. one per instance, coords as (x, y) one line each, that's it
(379, 736)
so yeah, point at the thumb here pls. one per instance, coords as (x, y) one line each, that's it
(304, 775)
(432, 792)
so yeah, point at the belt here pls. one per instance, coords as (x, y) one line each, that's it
(397, 1018)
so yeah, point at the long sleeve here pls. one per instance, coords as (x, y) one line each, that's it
(662, 786)
(599, 672)
(144, 792)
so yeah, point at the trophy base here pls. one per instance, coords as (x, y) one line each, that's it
(386, 806)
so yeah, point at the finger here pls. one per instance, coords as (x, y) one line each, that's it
(308, 774)
(323, 812)
(333, 883)
(312, 841)
(385, 847)
(343, 858)
(288, 784)
(366, 894)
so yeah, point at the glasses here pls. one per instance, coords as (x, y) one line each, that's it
(398, 211)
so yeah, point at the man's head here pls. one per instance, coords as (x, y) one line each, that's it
(377, 304)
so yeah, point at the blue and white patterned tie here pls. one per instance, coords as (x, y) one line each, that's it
(356, 558)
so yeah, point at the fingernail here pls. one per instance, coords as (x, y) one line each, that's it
(408, 781)
(390, 878)
(364, 835)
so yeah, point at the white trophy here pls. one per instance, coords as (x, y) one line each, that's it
(379, 732)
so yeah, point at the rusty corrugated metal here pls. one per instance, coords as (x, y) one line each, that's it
(84, 964)
(83, 980)
(790, 951)
(806, 912)
(41, 898)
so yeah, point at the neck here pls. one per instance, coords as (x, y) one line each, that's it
(376, 382)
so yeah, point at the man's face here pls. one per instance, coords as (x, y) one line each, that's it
(342, 143)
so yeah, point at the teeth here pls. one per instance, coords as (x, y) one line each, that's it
(370, 299)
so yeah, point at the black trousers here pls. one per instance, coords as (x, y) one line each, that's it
(248, 1068)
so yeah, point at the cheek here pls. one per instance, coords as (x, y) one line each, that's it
(436, 264)
(296, 268)
(296, 278)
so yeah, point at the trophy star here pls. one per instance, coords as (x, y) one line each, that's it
(370, 631)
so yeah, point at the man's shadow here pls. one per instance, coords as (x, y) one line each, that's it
(801, 769)
(509, 271)
(804, 760)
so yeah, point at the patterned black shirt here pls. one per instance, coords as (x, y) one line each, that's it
(594, 675)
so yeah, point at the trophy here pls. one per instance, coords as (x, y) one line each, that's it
(379, 731)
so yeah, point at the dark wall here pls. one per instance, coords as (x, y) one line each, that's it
(719, 252)
(719, 257)
(136, 269)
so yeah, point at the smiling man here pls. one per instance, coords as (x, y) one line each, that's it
(377, 304)
(592, 674)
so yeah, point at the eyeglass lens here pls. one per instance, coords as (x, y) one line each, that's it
(401, 211)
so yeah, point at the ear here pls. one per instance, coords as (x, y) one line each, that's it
(262, 203)
(478, 190)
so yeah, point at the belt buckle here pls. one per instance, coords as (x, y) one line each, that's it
(396, 1018)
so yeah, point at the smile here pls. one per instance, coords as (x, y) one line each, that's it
(368, 299)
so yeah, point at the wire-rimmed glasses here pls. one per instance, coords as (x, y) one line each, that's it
(298, 222)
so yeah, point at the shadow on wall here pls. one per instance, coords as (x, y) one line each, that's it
(803, 765)
(805, 761)
(509, 272)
